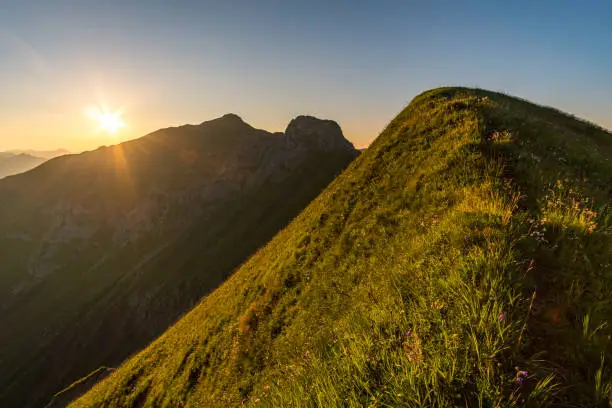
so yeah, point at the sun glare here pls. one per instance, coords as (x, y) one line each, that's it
(108, 121)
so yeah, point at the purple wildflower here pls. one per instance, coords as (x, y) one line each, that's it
(521, 376)
(502, 316)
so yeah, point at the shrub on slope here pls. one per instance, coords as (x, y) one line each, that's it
(464, 259)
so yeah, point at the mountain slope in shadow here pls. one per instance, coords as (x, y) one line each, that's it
(102, 251)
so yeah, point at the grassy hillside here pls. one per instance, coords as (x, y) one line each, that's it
(464, 259)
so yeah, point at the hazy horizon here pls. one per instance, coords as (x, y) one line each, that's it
(358, 63)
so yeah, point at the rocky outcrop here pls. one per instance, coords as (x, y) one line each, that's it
(316, 133)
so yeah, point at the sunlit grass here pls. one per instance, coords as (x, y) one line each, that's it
(441, 269)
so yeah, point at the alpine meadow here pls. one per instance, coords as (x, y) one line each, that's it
(462, 260)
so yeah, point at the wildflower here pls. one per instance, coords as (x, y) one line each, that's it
(438, 304)
(267, 387)
(408, 333)
(521, 376)
(502, 316)
(307, 354)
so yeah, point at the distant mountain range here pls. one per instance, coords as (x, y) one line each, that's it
(45, 154)
(103, 250)
(11, 164)
(18, 161)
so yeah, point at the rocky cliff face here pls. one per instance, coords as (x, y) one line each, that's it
(102, 251)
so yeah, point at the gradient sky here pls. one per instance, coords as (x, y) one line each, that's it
(166, 63)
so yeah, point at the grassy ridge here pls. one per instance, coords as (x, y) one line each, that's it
(464, 259)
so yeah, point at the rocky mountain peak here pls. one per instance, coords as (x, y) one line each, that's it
(229, 120)
(318, 133)
(231, 117)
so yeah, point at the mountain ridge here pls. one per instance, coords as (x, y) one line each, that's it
(462, 259)
(125, 238)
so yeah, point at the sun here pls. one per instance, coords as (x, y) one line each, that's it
(108, 121)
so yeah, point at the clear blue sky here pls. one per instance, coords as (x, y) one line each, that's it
(172, 62)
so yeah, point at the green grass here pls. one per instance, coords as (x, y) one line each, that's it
(464, 259)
